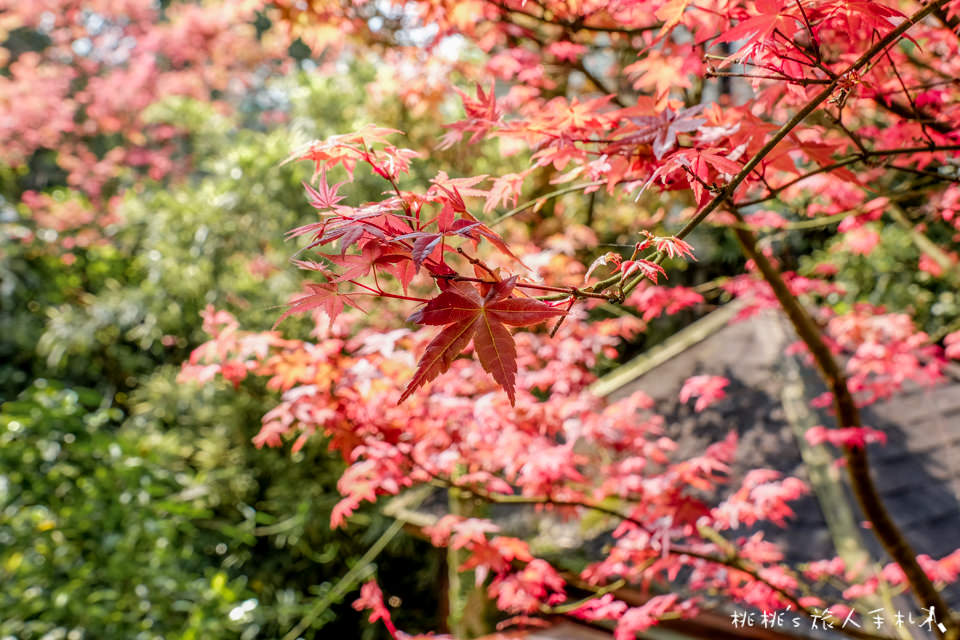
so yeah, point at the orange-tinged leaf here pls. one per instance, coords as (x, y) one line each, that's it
(670, 13)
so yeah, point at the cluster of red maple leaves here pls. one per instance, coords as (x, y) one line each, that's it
(409, 233)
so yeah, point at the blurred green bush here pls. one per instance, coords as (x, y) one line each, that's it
(132, 506)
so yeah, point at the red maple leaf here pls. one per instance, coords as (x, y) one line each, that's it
(326, 197)
(649, 269)
(758, 28)
(323, 296)
(371, 598)
(707, 390)
(661, 130)
(372, 255)
(468, 315)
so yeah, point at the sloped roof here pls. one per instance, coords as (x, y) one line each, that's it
(917, 471)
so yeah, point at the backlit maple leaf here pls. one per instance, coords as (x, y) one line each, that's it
(661, 130)
(483, 319)
(325, 197)
(670, 14)
(758, 28)
(323, 296)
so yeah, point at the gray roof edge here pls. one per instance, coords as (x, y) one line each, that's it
(676, 344)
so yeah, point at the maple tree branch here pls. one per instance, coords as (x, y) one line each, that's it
(622, 30)
(823, 221)
(843, 162)
(577, 25)
(568, 607)
(476, 262)
(802, 114)
(848, 416)
(553, 194)
(811, 59)
(918, 116)
(838, 120)
(923, 172)
(774, 192)
(703, 183)
(908, 150)
(726, 193)
(712, 73)
(565, 291)
(913, 105)
(814, 41)
(919, 87)
(730, 560)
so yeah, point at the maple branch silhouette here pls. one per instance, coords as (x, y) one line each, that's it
(713, 73)
(843, 162)
(847, 416)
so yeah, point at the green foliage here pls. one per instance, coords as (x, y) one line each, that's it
(889, 276)
(134, 506)
(99, 535)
